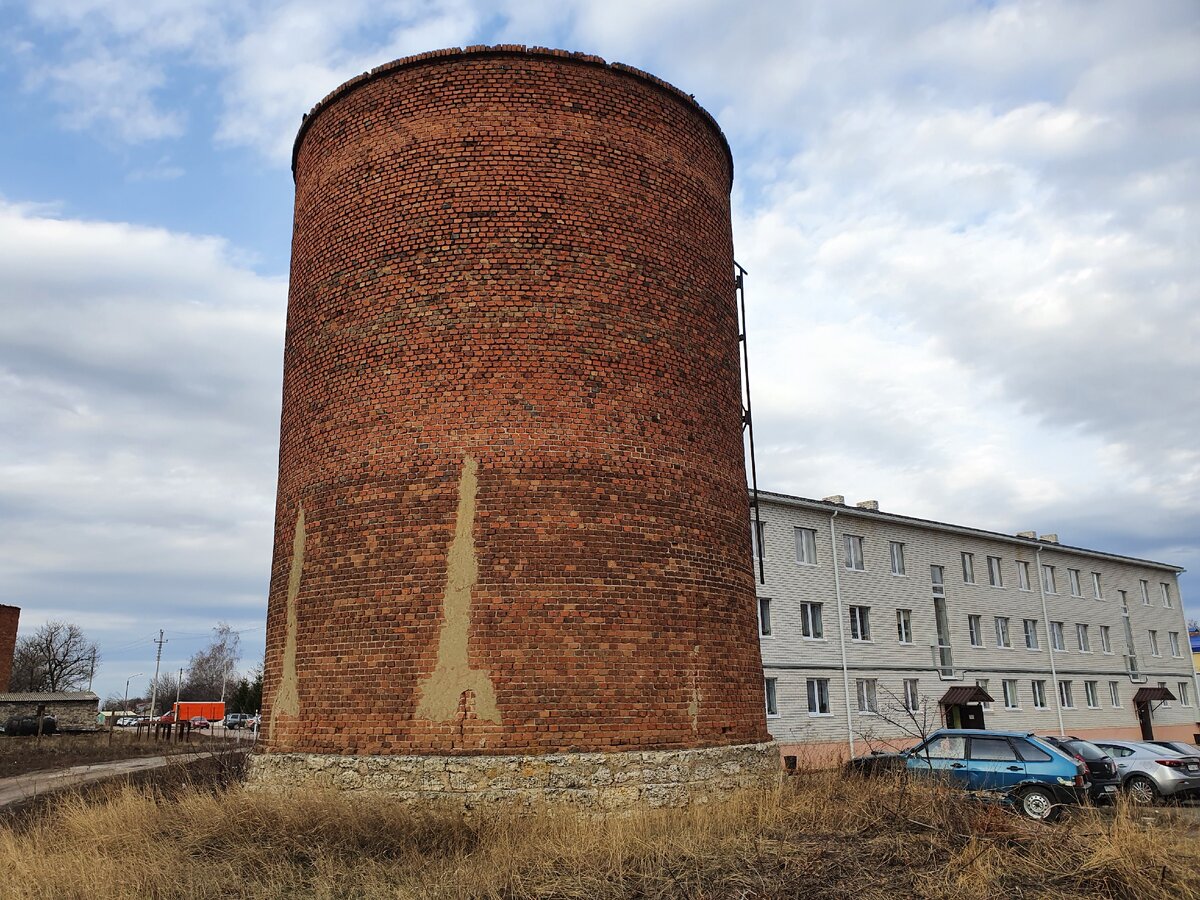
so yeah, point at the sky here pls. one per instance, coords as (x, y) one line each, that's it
(972, 231)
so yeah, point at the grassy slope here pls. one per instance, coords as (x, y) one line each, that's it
(19, 755)
(816, 837)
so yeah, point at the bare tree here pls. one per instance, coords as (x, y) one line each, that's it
(908, 724)
(56, 657)
(213, 670)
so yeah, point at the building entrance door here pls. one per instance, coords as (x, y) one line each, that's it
(1143, 714)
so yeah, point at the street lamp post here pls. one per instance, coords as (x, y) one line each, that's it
(124, 705)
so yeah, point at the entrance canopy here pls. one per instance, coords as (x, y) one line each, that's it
(961, 694)
(1152, 694)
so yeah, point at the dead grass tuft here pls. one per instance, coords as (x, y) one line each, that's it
(818, 836)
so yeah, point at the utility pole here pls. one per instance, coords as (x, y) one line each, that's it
(92, 670)
(157, 659)
(178, 727)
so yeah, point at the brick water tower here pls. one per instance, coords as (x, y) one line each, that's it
(511, 542)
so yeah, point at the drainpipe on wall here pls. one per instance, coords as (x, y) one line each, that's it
(837, 590)
(1062, 730)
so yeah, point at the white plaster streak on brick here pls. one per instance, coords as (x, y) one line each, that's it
(442, 692)
(287, 698)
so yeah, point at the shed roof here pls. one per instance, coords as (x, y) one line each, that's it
(48, 696)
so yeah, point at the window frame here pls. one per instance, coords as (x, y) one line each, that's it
(1031, 634)
(904, 626)
(1097, 590)
(1013, 702)
(1023, 583)
(815, 697)
(860, 623)
(1166, 595)
(1114, 694)
(1091, 694)
(1173, 640)
(1106, 639)
(1038, 686)
(771, 696)
(995, 571)
(852, 552)
(1066, 694)
(912, 694)
(1003, 633)
(805, 540)
(1049, 580)
(968, 566)
(1154, 648)
(896, 556)
(1083, 637)
(975, 630)
(1076, 586)
(808, 620)
(866, 694)
(1058, 638)
(764, 617)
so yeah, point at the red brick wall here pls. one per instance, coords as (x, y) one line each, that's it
(9, 618)
(523, 257)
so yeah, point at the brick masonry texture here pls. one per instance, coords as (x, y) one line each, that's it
(9, 618)
(598, 781)
(511, 418)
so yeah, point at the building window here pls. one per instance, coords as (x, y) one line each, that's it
(1154, 643)
(1085, 643)
(976, 631)
(1073, 575)
(1031, 635)
(1010, 694)
(912, 695)
(806, 546)
(853, 546)
(1174, 638)
(1065, 696)
(1023, 575)
(860, 623)
(1056, 636)
(938, 576)
(1114, 694)
(1166, 594)
(896, 549)
(866, 696)
(904, 625)
(1049, 585)
(1089, 690)
(968, 567)
(811, 625)
(1039, 694)
(772, 703)
(1002, 639)
(1145, 585)
(758, 539)
(764, 616)
(1185, 693)
(818, 696)
(1096, 592)
(995, 575)
(1105, 639)
(1165, 703)
(982, 684)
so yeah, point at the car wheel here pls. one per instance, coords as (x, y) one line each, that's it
(1038, 803)
(1141, 790)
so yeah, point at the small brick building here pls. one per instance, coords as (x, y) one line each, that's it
(512, 505)
(73, 710)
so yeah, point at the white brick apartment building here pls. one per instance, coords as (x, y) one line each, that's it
(864, 613)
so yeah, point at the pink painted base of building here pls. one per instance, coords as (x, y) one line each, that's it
(829, 754)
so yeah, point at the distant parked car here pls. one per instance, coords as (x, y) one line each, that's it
(1179, 747)
(237, 720)
(1150, 772)
(1026, 772)
(199, 722)
(1102, 771)
(127, 721)
(24, 725)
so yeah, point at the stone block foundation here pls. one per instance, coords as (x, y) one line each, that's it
(597, 781)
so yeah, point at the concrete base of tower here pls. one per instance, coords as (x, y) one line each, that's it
(599, 781)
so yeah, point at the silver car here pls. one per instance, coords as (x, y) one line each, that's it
(1149, 771)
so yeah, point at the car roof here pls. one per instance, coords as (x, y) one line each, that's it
(984, 732)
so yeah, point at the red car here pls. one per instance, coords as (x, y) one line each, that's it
(199, 722)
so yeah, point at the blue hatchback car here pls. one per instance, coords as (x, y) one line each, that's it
(1026, 771)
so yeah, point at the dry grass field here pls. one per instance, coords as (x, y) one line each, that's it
(816, 837)
(20, 755)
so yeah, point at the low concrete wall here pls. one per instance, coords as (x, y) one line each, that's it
(600, 781)
(72, 715)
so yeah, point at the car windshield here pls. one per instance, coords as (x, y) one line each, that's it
(1086, 749)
